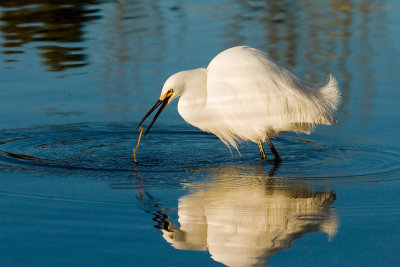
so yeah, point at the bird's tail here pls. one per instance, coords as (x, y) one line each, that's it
(331, 93)
(330, 96)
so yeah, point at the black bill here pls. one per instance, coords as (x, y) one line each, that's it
(163, 104)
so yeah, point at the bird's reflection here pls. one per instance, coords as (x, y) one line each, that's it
(244, 216)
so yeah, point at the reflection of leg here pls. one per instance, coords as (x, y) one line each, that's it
(273, 150)
(271, 173)
(140, 192)
(274, 168)
(262, 154)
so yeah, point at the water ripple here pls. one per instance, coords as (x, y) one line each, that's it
(107, 149)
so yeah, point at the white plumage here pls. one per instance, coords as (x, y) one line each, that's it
(243, 95)
(243, 220)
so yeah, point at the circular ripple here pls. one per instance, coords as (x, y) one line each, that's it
(324, 161)
(107, 148)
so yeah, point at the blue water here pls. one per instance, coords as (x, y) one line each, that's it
(76, 78)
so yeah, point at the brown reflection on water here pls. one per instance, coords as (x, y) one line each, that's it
(342, 34)
(360, 23)
(281, 23)
(370, 12)
(133, 37)
(277, 21)
(54, 27)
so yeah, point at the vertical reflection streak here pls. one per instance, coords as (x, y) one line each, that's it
(346, 36)
(135, 39)
(368, 81)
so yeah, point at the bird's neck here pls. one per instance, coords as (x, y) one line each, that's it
(191, 105)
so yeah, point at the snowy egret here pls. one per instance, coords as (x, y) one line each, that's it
(243, 96)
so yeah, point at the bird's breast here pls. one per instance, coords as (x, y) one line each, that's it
(193, 111)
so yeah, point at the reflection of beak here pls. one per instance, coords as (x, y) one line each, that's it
(163, 101)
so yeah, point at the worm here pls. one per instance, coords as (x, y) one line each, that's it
(138, 142)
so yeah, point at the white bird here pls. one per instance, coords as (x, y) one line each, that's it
(244, 96)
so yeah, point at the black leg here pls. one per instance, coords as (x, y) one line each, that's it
(273, 150)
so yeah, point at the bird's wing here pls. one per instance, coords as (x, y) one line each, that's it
(249, 91)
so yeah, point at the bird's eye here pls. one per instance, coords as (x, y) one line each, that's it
(170, 90)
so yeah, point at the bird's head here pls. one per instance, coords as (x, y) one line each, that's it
(173, 87)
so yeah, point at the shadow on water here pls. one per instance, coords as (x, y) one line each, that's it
(243, 215)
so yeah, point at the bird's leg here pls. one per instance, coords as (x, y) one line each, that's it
(262, 154)
(273, 150)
